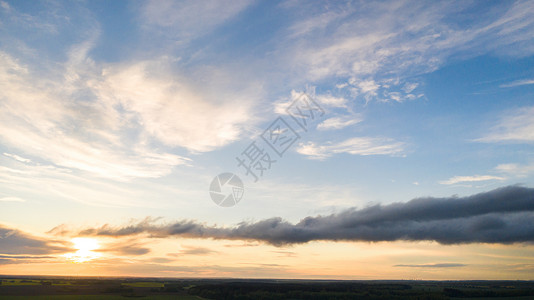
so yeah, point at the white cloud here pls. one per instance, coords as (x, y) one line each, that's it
(338, 122)
(517, 83)
(18, 158)
(315, 23)
(42, 120)
(378, 41)
(11, 199)
(354, 146)
(515, 126)
(475, 178)
(515, 169)
(332, 101)
(280, 107)
(4, 5)
(188, 19)
(410, 86)
(368, 87)
(175, 111)
(103, 119)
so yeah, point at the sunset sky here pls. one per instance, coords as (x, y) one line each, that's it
(417, 160)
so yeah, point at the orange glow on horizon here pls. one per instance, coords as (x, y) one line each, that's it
(85, 251)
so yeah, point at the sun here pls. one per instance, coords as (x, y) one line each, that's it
(85, 247)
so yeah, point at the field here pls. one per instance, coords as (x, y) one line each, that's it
(63, 288)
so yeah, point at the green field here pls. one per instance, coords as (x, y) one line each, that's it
(66, 288)
(145, 284)
(20, 282)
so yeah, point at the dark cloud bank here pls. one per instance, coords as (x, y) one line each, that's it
(13, 241)
(504, 215)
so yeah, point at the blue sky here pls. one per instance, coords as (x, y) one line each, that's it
(112, 112)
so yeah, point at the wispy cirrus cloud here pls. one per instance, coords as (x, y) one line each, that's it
(517, 83)
(519, 170)
(101, 119)
(174, 110)
(336, 123)
(355, 146)
(376, 47)
(185, 20)
(42, 120)
(515, 126)
(18, 158)
(12, 199)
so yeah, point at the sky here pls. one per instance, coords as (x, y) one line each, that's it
(267, 139)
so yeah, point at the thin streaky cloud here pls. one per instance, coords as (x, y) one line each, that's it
(336, 123)
(363, 146)
(12, 199)
(16, 157)
(442, 265)
(185, 20)
(517, 83)
(515, 126)
(475, 178)
(519, 170)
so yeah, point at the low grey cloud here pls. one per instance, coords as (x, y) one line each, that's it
(15, 242)
(131, 249)
(190, 250)
(23, 259)
(501, 216)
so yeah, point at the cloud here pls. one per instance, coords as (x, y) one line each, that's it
(444, 265)
(379, 45)
(108, 119)
(281, 106)
(5, 5)
(128, 248)
(11, 199)
(13, 241)
(189, 19)
(338, 122)
(45, 117)
(191, 250)
(501, 216)
(517, 83)
(18, 158)
(475, 178)
(516, 126)
(354, 146)
(176, 111)
(332, 101)
(515, 169)
(24, 259)
(285, 253)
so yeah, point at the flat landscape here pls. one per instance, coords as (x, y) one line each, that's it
(163, 288)
(245, 149)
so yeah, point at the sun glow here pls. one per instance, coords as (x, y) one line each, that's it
(85, 251)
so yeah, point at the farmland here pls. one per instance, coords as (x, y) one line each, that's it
(66, 288)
